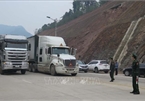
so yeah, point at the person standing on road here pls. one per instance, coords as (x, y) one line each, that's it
(116, 67)
(112, 67)
(135, 74)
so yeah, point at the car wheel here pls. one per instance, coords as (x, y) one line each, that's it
(105, 71)
(53, 71)
(74, 74)
(126, 73)
(96, 70)
(86, 71)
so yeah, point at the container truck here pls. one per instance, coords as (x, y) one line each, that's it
(51, 55)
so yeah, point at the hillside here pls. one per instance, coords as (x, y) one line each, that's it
(98, 34)
(17, 30)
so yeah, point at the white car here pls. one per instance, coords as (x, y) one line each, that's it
(99, 65)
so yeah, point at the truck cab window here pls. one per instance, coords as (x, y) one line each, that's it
(41, 51)
(60, 50)
(29, 47)
(49, 50)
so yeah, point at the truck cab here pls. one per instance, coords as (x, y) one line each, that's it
(13, 53)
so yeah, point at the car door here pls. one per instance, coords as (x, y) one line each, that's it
(92, 65)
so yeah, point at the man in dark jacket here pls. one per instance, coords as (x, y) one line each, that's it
(135, 74)
(112, 68)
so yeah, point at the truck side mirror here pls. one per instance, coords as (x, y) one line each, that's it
(73, 51)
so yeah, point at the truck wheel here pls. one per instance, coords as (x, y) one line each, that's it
(96, 70)
(34, 69)
(2, 72)
(30, 68)
(74, 74)
(53, 71)
(23, 71)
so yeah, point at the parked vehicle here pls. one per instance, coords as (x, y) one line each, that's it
(98, 65)
(128, 71)
(82, 66)
(50, 54)
(13, 53)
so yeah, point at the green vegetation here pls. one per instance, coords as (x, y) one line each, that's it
(80, 7)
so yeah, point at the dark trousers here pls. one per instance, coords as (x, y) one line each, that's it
(112, 74)
(116, 71)
(135, 84)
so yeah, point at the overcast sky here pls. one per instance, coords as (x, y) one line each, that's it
(31, 14)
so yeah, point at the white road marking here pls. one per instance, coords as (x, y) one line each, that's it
(27, 81)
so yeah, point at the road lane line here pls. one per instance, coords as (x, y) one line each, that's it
(27, 81)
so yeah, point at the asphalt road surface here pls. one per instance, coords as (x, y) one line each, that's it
(83, 87)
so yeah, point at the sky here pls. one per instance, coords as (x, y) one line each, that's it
(31, 14)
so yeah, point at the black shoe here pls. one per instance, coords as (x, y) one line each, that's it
(111, 80)
(132, 92)
(136, 93)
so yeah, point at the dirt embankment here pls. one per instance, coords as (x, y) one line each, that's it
(97, 34)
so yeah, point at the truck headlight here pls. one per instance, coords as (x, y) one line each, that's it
(7, 63)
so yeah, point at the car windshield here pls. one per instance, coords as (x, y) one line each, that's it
(16, 45)
(59, 50)
(80, 62)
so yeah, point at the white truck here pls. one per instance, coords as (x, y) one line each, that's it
(51, 55)
(13, 53)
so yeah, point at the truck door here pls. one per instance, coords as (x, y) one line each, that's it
(49, 58)
(40, 59)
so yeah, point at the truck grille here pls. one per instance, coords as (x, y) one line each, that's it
(17, 55)
(70, 62)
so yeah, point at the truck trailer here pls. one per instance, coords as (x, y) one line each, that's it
(51, 55)
(13, 53)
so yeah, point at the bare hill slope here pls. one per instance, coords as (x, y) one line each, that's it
(97, 34)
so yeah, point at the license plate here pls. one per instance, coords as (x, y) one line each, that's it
(17, 66)
(70, 69)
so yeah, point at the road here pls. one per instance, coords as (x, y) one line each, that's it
(83, 87)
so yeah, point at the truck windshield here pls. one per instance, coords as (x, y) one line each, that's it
(16, 45)
(58, 50)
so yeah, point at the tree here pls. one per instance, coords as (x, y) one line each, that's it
(101, 2)
(80, 7)
(44, 27)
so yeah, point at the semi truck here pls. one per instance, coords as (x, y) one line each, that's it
(13, 53)
(50, 54)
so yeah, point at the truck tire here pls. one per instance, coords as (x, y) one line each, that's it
(2, 72)
(52, 70)
(33, 68)
(23, 71)
(74, 74)
(30, 68)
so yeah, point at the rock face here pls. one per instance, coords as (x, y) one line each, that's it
(98, 34)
